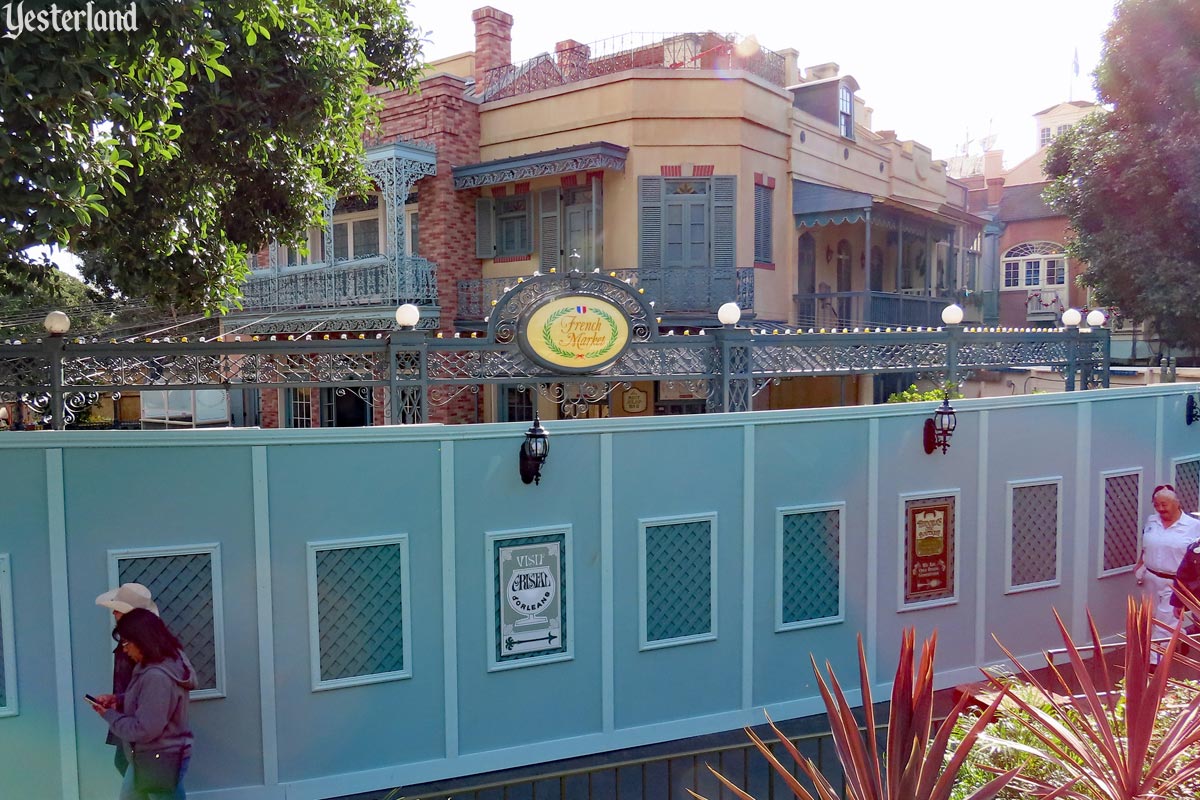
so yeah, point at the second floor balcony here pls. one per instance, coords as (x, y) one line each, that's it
(687, 292)
(874, 309)
(374, 281)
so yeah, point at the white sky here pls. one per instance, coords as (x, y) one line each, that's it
(933, 70)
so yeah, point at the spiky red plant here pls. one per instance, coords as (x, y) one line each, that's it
(1106, 740)
(914, 766)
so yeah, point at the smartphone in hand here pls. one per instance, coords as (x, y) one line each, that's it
(92, 700)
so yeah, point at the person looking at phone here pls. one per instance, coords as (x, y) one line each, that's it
(121, 601)
(153, 725)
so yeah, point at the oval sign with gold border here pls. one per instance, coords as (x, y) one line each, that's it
(575, 333)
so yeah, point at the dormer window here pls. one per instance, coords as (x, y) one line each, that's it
(1045, 137)
(846, 111)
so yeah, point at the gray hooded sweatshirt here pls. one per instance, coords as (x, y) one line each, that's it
(155, 713)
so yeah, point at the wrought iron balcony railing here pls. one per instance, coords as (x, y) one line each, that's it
(679, 51)
(673, 290)
(377, 281)
(850, 309)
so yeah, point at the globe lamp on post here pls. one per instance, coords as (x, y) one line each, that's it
(407, 316)
(729, 314)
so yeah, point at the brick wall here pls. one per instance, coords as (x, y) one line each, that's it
(268, 409)
(442, 116)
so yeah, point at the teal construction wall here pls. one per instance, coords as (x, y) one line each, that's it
(253, 507)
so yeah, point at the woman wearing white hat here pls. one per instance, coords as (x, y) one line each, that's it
(122, 600)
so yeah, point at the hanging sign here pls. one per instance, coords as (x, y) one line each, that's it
(575, 333)
(929, 549)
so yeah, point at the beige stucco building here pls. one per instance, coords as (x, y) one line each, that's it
(700, 167)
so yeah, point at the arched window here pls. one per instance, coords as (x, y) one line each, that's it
(1034, 266)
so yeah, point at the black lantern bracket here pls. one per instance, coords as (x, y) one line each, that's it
(534, 450)
(940, 427)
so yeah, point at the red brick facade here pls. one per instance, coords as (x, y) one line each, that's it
(442, 116)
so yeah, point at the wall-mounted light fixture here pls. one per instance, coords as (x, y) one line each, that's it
(828, 254)
(940, 427)
(1193, 409)
(534, 450)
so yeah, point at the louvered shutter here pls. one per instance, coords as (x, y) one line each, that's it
(598, 222)
(724, 221)
(762, 225)
(549, 230)
(650, 222)
(485, 229)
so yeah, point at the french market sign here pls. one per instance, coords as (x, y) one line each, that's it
(574, 333)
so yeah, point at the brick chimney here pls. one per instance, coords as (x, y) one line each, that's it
(993, 176)
(493, 42)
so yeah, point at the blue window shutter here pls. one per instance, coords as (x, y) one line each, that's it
(485, 229)
(763, 251)
(549, 230)
(650, 221)
(724, 221)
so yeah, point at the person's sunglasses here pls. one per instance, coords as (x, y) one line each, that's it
(1162, 486)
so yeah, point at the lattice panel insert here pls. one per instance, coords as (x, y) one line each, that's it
(1187, 484)
(3, 599)
(1034, 534)
(182, 586)
(678, 580)
(1121, 523)
(810, 564)
(360, 610)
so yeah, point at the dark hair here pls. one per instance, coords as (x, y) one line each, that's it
(149, 634)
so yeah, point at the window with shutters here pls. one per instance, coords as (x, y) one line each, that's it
(504, 226)
(688, 222)
(763, 223)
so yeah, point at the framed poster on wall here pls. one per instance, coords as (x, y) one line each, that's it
(929, 549)
(529, 597)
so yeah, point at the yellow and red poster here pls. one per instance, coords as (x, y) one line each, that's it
(928, 549)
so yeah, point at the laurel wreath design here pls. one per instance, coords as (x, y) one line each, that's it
(558, 351)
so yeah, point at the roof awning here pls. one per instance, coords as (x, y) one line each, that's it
(591, 156)
(814, 204)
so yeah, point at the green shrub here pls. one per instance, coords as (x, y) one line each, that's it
(914, 395)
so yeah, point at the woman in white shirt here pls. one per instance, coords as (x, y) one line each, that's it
(1165, 539)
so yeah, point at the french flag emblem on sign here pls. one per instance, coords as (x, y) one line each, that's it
(580, 309)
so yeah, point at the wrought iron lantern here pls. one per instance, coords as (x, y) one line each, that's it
(534, 450)
(1193, 409)
(940, 427)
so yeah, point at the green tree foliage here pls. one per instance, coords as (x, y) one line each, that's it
(171, 151)
(1129, 179)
